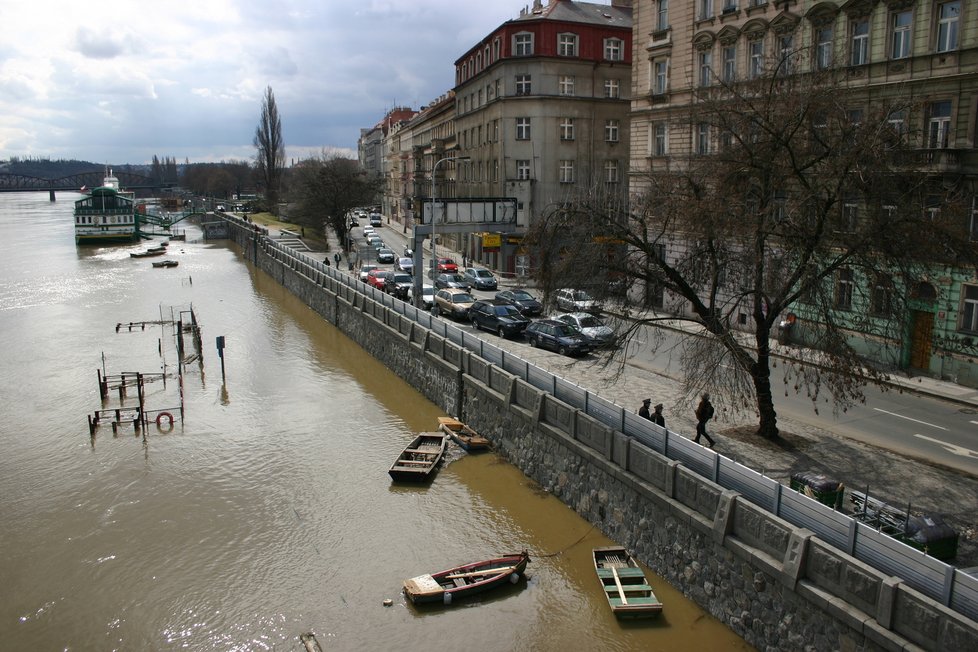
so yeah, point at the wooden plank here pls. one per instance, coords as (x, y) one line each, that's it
(491, 571)
(621, 591)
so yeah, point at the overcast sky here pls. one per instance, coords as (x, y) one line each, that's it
(117, 82)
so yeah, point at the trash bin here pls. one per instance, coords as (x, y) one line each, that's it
(818, 487)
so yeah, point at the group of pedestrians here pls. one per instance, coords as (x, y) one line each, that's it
(704, 412)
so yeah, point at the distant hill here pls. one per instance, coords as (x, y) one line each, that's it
(55, 169)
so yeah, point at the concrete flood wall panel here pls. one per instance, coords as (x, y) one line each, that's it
(773, 583)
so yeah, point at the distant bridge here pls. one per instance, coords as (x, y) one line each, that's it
(75, 182)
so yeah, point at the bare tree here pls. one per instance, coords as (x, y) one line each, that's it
(793, 202)
(270, 159)
(326, 188)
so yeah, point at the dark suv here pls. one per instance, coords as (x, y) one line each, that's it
(557, 336)
(397, 284)
(500, 318)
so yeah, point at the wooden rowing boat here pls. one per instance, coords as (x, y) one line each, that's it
(417, 462)
(165, 263)
(462, 435)
(624, 584)
(468, 579)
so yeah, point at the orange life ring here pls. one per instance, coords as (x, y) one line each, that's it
(159, 419)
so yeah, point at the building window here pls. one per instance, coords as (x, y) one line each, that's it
(948, 16)
(522, 129)
(611, 128)
(969, 308)
(495, 49)
(897, 120)
(823, 47)
(706, 68)
(567, 129)
(660, 73)
(662, 15)
(755, 53)
(566, 85)
(567, 45)
(705, 8)
(902, 22)
(612, 89)
(523, 84)
(729, 5)
(523, 170)
(844, 285)
(881, 297)
(522, 44)
(973, 221)
(611, 172)
(495, 131)
(614, 49)
(850, 217)
(703, 138)
(660, 141)
(567, 171)
(730, 64)
(786, 45)
(495, 170)
(938, 124)
(860, 42)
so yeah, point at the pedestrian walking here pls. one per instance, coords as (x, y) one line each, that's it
(644, 410)
(704, 412)
(326, 261)
(657, 417)
(337, 258)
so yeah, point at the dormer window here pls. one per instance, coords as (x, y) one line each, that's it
(523, 44)
(614, 49)
(567, 44)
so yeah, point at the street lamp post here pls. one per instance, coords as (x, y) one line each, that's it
(434, 203)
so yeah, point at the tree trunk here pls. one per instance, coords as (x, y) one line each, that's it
(768, 426)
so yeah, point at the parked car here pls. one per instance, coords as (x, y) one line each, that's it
(375, 242)
(445, 265)
(525, 302)
(377, 277)
(385, 255)
(376, 219)
(405, 264)
(596, 330)
(557, 336)
(427, 295)
(453, 302)
(365, 270)
(397, 284)
(368, 231)
(481, 278)
(571, 300)
(500, 318)
(452, 281)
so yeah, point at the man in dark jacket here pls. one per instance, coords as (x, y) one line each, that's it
(704, 412)
(657, 417)
(644, 410)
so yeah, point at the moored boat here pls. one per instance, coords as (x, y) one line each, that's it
(147, 253)
(624, 583)
(463, 435)
(106, 214)
(417, 462)
(165, 263)
(468, 579)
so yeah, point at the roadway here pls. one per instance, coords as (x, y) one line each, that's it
(924, 427)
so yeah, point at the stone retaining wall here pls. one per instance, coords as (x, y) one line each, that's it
(776, 585)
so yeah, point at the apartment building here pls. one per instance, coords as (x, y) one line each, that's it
(541, 110)
(922, 51)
